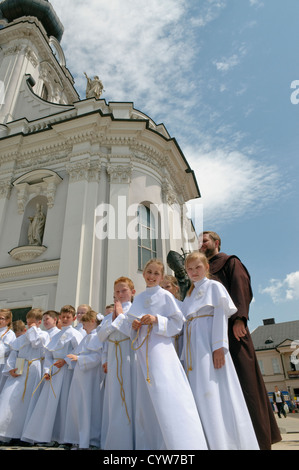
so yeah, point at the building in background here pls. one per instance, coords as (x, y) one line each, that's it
(277, 350)
(89, 190)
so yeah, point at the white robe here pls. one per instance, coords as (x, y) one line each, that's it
(84, 408)
(6, 338)
(217, 392)
(47, 421)
(16, 400)
(120, 387)
(166, 413)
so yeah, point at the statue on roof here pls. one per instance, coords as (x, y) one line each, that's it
(94, 88)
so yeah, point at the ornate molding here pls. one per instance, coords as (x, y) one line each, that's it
(27, 252)
(84, 169)
(120, 173)
(29, 270)
(39, 183)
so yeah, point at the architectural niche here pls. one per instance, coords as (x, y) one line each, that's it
(36, 183)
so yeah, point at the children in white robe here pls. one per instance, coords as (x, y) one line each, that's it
(84, 408)
(47, 421)
(166, 413)
(119, 397)
(7, 336)
(217, 391)
(17, 400)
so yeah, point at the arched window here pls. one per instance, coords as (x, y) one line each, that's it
(147, 236)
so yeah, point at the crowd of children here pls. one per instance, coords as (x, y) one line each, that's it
(153, 373)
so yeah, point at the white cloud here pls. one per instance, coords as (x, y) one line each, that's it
(283, 290)
(139, 49)
(227, 63)
(231, 183)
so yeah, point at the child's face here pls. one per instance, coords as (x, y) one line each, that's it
(153, 275)
(122, 292)
(196, 270)
(49, 322)
(80, 312)
(167, 285)
(33, 322)
(3, 321)
(66, 318)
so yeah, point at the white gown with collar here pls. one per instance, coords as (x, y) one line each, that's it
(217, 392)
(118, 416)
(166, 413)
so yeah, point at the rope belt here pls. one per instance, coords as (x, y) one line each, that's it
(27, 373)
(119, 374)
(51, 375)
(176, 341)
(188, 340)
(149, 329)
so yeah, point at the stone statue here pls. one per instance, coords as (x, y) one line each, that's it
(94, 88)
(176, 262)
(36, 227)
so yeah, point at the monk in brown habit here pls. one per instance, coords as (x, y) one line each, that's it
(234, 276)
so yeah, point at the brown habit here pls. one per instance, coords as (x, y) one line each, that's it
(234, 276)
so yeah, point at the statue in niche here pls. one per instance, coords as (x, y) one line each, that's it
(36, 226)
(94, 88)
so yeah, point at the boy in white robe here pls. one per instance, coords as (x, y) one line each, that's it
(213, 379)
(50, 319)
(166, 413)
(47, 421)
(120, 382)
(84, 408)
(7, 336)
(23, 370)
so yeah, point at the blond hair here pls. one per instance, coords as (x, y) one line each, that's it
(195, 255)
(35, 313)
(7, 313)
(91, 315)
(174, 282)
(157, 261)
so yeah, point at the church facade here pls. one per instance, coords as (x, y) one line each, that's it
(89, 190)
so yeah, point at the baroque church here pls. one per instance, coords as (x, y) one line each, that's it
(89, 190)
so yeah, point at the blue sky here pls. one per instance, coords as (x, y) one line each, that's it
(219, 75)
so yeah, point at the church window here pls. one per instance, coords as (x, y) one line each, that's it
(147, 236)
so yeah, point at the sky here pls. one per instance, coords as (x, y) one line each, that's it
(223, 77)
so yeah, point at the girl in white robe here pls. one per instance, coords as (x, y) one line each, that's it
(166, 413)
(47, 421)
(16, 400)
(120, 385)
(7, 336)
(84, 408)
(213, 379)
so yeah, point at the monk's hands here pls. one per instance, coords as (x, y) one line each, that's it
(239, 329)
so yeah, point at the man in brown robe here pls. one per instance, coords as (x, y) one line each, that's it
(234, 276)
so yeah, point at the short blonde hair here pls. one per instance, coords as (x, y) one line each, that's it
(35, 313)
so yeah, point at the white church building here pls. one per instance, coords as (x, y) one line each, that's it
(89, 190)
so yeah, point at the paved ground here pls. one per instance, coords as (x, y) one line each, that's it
(289, 428)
